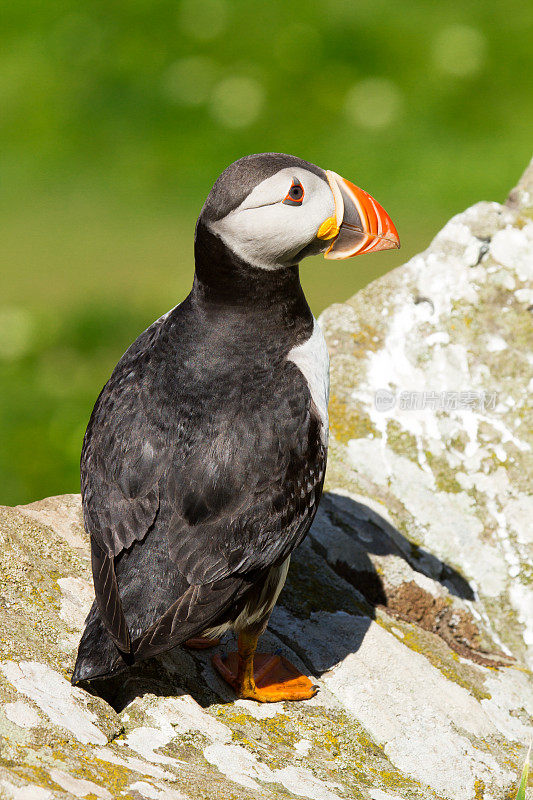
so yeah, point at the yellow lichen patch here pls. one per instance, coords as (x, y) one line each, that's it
(114, 777)
(274, 727)
(401, 441)
(331, 742)
(479, 788)
(346, 422)
(366, 339)
(445, 480)
(36, 775)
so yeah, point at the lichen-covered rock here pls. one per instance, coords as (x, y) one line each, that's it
(410, 602)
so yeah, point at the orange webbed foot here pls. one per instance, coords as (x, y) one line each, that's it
(275, 678)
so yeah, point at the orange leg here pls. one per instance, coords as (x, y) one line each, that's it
(261, 676)
(201, 643)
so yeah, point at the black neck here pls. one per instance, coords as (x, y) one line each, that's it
(226, 282)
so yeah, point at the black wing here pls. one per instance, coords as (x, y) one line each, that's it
(235, 476)
(120, 477)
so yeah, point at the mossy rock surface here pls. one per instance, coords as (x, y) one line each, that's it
(410, 603)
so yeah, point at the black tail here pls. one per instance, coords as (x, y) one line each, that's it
(97, 653)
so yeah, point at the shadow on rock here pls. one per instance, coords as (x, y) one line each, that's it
(177, 672)
(368, 533)
(354, 562)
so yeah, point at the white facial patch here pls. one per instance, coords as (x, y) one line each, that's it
(266, 232)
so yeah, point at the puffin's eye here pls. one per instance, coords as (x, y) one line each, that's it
(295, 195)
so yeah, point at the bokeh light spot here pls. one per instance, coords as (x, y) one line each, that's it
(203, 20)
(189, 80)
(373, 103)
(16, 329)
(459, 50)
(237, 101)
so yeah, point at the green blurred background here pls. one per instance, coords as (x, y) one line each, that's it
(116, 117)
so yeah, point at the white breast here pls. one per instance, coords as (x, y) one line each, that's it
(312, 359)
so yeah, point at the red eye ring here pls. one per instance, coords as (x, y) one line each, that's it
(295, 195)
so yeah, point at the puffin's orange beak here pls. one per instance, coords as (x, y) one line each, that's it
(360, 224)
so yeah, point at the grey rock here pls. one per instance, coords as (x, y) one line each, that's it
(410, 603)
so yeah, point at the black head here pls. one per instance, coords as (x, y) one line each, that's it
(270, 210)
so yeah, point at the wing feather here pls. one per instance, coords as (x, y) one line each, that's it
(108, 598)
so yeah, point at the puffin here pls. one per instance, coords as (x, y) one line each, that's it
(204, 457)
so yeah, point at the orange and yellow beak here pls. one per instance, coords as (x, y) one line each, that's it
(360, 224)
